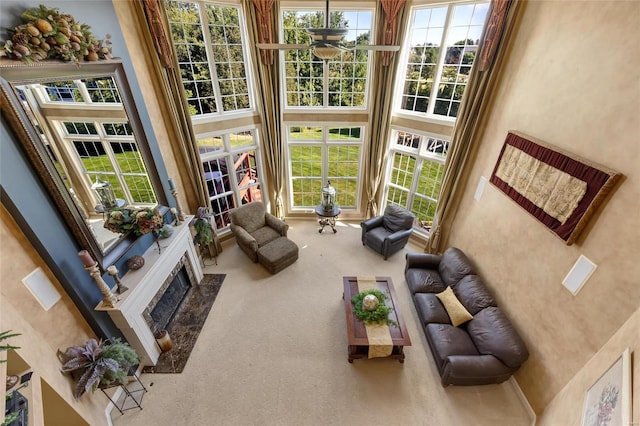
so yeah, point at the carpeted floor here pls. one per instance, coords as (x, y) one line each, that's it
(273, 352)
(187, 324)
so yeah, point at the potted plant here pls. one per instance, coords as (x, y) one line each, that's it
(10, 416)
(98, 364)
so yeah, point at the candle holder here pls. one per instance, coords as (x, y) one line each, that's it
(180, 216)
(113, 271)
(109, 299)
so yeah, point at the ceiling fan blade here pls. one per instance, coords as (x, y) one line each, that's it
(282, 46)
(375, 47)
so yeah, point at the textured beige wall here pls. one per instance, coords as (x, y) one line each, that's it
(573, 80)
(42, 332)
(566, 407)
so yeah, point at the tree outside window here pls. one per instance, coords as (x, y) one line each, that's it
(435, 77)
(311, 82)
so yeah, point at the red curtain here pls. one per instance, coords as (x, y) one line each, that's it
(263, 9)
(492, 33)
(391, 9)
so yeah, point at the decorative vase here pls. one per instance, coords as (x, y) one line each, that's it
(370, 302)
(164, 341)
(136, 262)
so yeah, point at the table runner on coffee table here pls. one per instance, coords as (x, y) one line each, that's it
(380, 343)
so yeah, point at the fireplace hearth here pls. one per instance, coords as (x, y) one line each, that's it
(166, 302)
(173, 272)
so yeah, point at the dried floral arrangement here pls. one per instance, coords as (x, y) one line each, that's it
(49, 34)
(139, 220)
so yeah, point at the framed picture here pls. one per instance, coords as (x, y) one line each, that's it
(608, 400)
(559, 189)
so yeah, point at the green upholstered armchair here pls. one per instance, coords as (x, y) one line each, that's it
(254, 227)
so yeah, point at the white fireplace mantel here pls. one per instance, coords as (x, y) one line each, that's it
(143, 285)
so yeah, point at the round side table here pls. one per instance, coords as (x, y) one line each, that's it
(327, 217)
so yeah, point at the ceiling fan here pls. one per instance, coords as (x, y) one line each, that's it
(326, 43)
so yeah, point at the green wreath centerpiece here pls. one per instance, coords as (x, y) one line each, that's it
(380, 315)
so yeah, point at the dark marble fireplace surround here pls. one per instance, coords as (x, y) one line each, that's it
(167, 300)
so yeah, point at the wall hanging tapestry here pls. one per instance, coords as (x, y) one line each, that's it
(560, 190)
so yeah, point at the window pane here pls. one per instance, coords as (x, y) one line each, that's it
(216, 174)
(429, 33)
(306, 174)
(402, 170)
(248, 177)
(133, 171)
(63, 91)
(430, 179)
(102, 90)
(304, 133)
(426, 39)
(343, 163)
(188, 38)
(462, 44)
(346, 72)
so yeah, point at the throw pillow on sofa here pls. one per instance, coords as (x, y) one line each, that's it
(457, 312)
(473, 294)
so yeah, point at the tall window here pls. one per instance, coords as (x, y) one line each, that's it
(232, 171)
(208, 41)
(321, 154)
(415, 175)
(338, 82)
(442, 45)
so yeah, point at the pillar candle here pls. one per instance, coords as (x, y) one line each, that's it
(86, 258)
(172, 185)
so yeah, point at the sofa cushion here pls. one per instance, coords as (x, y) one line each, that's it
(375, 237)
(454, 266)
(396, 218)
(265, 235)
(456, 311)
(249, 216)
(424, 281)
(493, 334)
(473, 294)
(430, 309)
(446, 340)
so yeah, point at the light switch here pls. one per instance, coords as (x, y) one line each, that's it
(579, 274)
(480, 188)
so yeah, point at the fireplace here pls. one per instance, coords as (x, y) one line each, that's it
(155, 292)
(166, 302)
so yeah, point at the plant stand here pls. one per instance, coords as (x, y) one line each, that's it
(133, 393)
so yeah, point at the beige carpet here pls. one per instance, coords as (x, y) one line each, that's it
(273, 351)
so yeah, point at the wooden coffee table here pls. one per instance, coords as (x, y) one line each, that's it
(358, 343)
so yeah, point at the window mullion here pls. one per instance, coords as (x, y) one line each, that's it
(83, 91)
(231, 166)
(442, 53)
(325, 151)
(106, 143)
(325, 84)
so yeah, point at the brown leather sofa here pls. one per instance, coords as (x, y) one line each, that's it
(484, 350)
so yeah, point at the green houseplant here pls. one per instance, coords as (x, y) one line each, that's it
(98, 364)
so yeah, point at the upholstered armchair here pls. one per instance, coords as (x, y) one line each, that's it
(254, 227)
(388, 233)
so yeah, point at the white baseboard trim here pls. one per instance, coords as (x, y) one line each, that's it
(524, 400)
